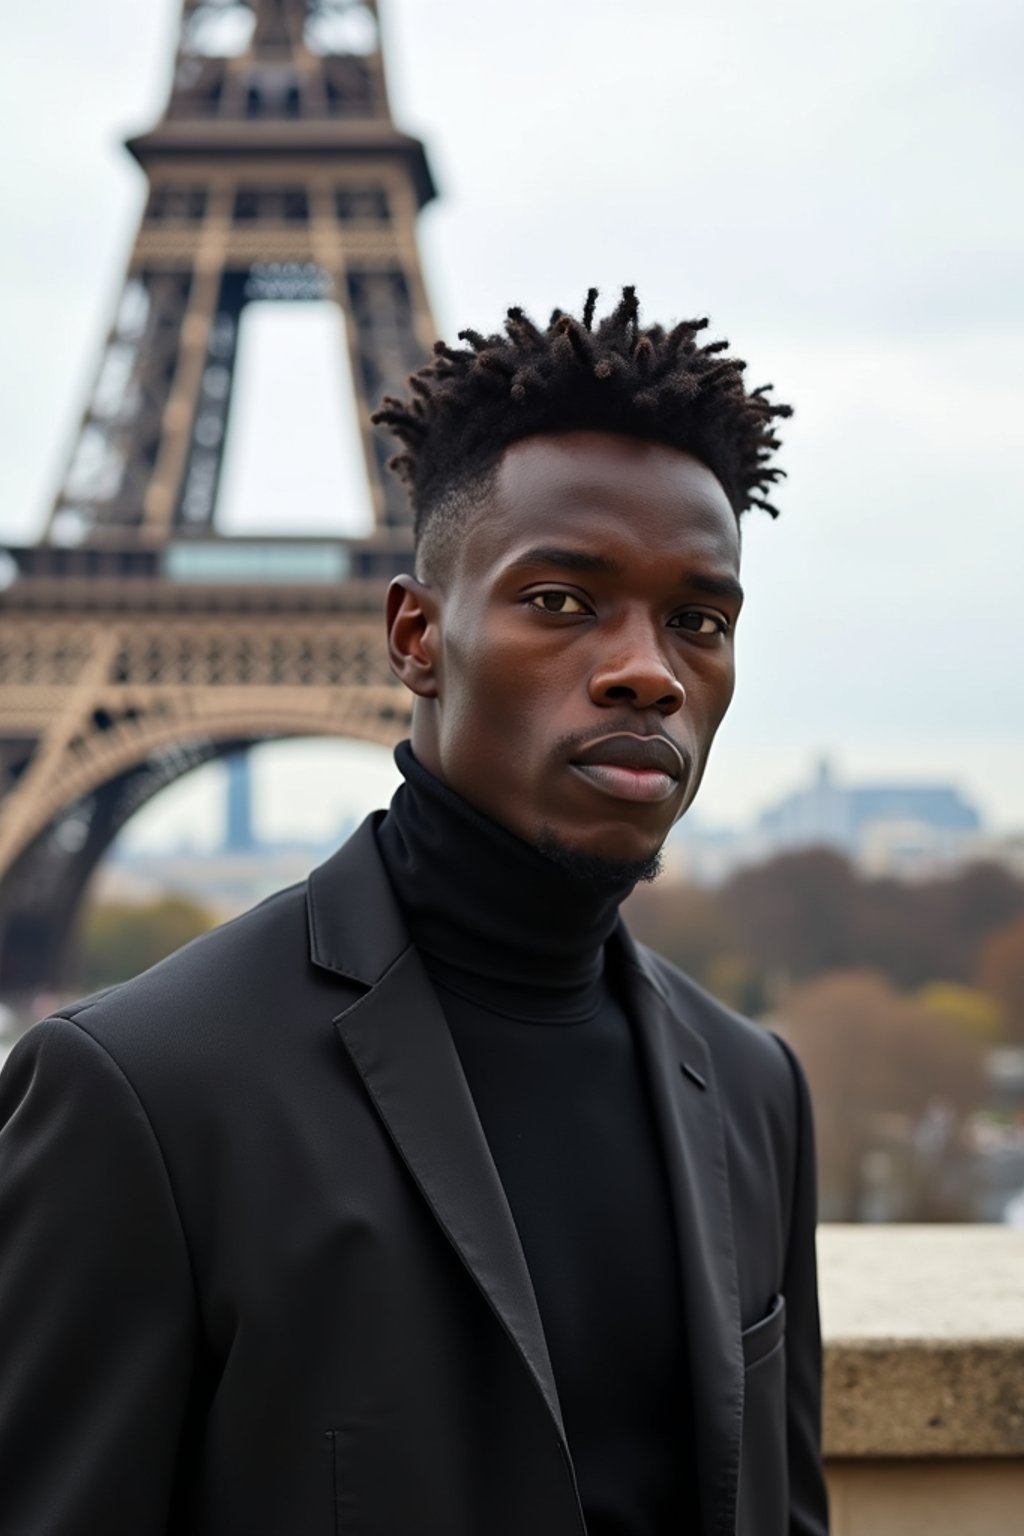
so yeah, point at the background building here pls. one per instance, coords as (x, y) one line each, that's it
(908, 830)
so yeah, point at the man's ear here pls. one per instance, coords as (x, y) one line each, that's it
(413, 611)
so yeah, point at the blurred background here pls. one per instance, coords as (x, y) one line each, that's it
(838, 190)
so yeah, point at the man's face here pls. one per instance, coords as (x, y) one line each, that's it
(581, 650)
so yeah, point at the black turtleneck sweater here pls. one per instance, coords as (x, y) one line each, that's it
(514, 945)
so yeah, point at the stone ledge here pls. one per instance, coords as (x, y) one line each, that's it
(926, 1498)
(924, 1341)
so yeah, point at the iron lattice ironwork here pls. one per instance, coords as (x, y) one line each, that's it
(134, 642)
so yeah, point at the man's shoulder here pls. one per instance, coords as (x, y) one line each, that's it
(276, 955)
(220, 1000)
(745, 1054)
(222, 956)
(758, 1081)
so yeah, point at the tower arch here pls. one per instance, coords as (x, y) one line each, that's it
(135, 640)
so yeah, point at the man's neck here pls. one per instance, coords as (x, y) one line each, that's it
(509, 924)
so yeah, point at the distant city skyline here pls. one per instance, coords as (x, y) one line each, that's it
(899, 827)
(905, 830)
(305, 791)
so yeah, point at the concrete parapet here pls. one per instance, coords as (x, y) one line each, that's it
(924, 1379)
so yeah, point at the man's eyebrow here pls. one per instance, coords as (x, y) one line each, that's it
(717, 586)
(567, 560)
(585, 560)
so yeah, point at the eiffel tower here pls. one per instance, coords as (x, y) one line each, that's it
(135, 641)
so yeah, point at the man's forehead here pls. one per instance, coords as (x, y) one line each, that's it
(601, 464)
(599, 486)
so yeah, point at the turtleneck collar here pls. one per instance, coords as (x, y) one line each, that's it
(493, 919)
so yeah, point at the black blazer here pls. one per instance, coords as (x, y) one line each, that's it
(258, 1276)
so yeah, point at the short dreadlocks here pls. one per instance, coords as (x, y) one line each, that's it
(469, 404)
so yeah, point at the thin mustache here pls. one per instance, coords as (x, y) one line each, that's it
(575, 741)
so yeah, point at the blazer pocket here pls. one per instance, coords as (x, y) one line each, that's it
(362, 1480)
(766, 1335)
(346, 1510)
(763, 1508)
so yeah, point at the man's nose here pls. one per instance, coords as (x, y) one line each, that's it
(637, 673)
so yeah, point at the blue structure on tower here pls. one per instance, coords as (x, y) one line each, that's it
(239, 835)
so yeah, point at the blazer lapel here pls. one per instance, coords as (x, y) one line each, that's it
(399, 1042)
(688, 1113)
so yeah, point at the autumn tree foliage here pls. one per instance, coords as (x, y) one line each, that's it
(694, 926)
(1001, 974)
(888, 1075)
(118, 939)
(803, 914)
(892, 993)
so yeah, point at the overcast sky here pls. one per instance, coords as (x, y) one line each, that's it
(838, 187)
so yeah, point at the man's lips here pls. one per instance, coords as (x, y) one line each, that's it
(628, 767)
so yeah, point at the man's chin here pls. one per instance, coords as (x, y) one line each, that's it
(597, 868)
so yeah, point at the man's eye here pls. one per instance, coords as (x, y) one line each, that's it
(703, 624)
(556, 602)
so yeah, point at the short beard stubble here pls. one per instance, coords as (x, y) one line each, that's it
(610, 875)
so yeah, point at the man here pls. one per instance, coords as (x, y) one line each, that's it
(421, 1201)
